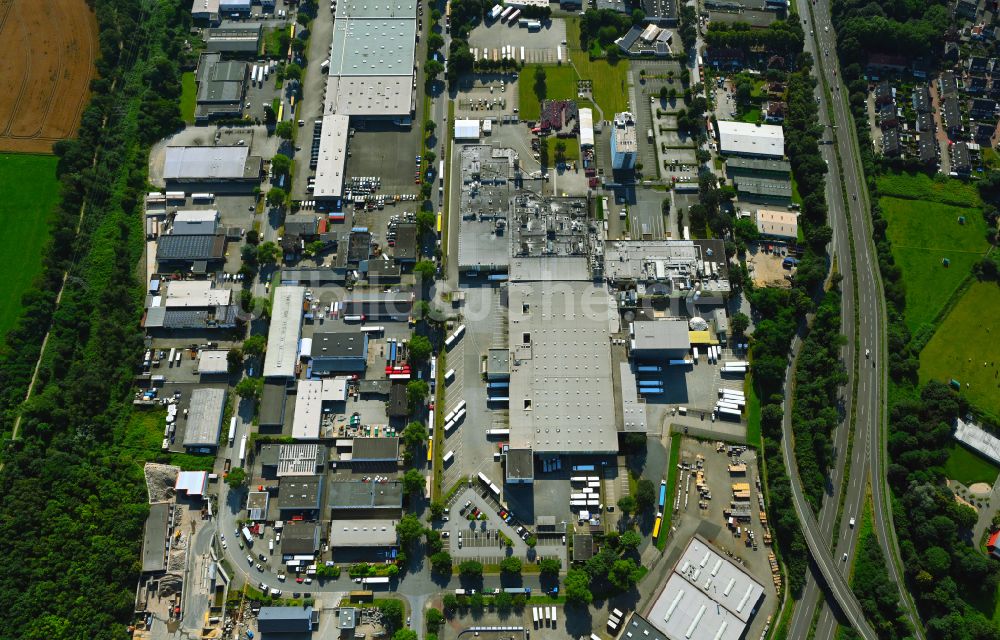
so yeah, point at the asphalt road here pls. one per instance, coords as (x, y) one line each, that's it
(866, 294)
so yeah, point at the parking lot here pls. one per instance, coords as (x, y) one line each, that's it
(496, 34)
(478, 539)
(387, 151)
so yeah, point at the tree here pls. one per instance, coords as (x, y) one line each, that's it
(664, 93)
(550, 566)
(249, 388)
(746, 229)
(235, 360)
(315, 248)
(629, 541)
(614, 54)
(577, 587)
(739, 323)
(392, 613)
(503, 601)
(413, 482)
(293, 72)
(450, 602)
(434, 618)
(425, 271)
(409, 529)
(268, 253)
(420, 348)
(435, 41)
(471, 569)
(414, 434)
(433, 539)
(236, 478)
(560, 151)
(405, 634)
(432, 69)
(255, 345)
(281, 165)
(416, 392)
(511, 565)
(285, 129)
(426, 220)
(430, 126)
(302, 18)
(624, 574)
(627, 504)
(441, 563)
(645, 495)
(276, 197)
(437, 509)
(541, 88)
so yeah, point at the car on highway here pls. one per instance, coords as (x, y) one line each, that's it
(868, 353)
(844, 558)
(851, 523)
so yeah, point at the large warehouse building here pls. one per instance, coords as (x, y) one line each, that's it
(284, 332)
(706, 596)
(747, 139)
(211, 164)
(561, 388)
(372, 64)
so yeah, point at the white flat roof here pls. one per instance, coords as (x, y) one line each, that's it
(778, 223)
(977, 439)
(586, 127)
(467, 129)
(751, 139)
(213, 361)
(362, 533)
(308, 410)
(283, 334)
(706, 597)
(332, 156)
(195, 293)
(196, 215)
(204, 163)
(191, 483)
(369, 95)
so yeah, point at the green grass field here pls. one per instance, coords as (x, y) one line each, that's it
(560, 84)
(610, 84)
(923, 234)
(921, 187)
(963, 342)
(144, 436)
(672, 473)
(572, 148)
(29, 192)
(969, 468)
(189, 96)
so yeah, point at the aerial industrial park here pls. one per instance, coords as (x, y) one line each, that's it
(606, 319)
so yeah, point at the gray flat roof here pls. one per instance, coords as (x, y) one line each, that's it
(339, 344)
(272, 403)
(520, 464)
(362, 533)
(661, 335)
(375, 449)
(498, 363)
(561, 390)
(205, 163)
(190, 247)
(383, 9)
(300, 538)
(759, 164)
(204, 421)
(406, 242)
(381, 95)
(373, 46)
(285, 620)
(154, 539)
(633, 406)
(284, 332)
(355, 494)
(299, 492)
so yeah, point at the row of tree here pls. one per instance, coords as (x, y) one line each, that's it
(73, 498)
(944, 572)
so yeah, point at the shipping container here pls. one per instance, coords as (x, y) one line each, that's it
(498, 433)
(583, 467)
(232, 430)
(495, 12)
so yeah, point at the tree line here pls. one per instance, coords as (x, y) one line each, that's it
(944, 571)
(73, 499)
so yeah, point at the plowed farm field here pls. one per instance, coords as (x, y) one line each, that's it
(47, 52)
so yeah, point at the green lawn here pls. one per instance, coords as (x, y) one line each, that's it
(189, 95)
(962, 344)
(668, 508)
(144, 436)
(29, 193)
(923, 235)
(560, 84)
(752, 116)
(572, 148)
(919, 186)
(968, 467)
(610, 84)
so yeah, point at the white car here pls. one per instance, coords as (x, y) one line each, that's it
(851, 523)
(281, 577)
(868, 353)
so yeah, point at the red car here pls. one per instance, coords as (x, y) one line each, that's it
(299, 580)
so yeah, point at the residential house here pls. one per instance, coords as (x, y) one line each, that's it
(951, 116)
(984, 133)
(884, 93)
(966, 9)
(887, 116)
(928, 149)
(921, 99)
(983, 108)
(976, 64)
(890, 143)
(774, 111)
(947, 84)
(976, 84)
(961, 160)
(951, 52)
(925, 122)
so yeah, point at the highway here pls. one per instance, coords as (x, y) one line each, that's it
(868, 452)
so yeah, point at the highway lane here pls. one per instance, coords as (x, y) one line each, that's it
(870, 437)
